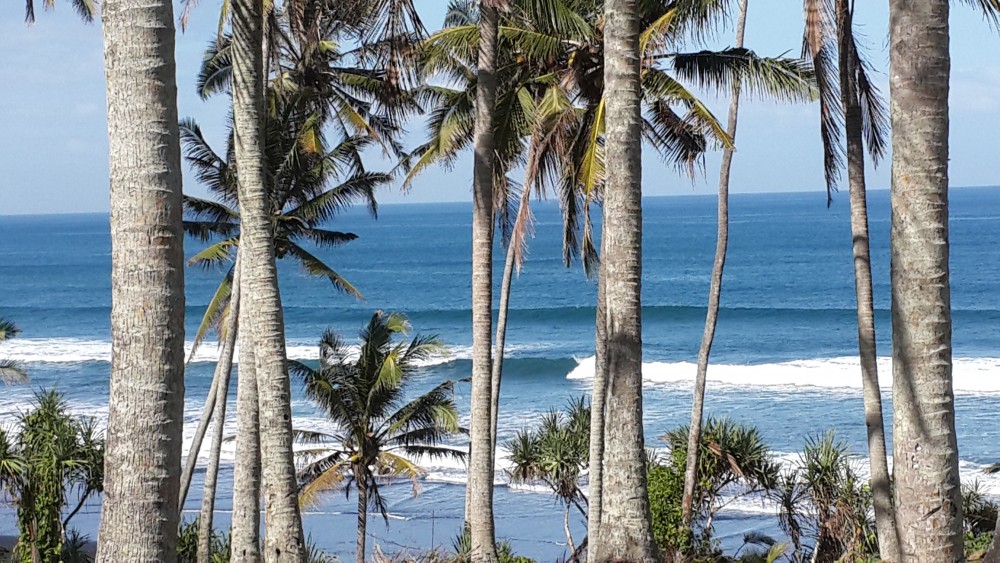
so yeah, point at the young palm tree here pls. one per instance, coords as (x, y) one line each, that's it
(139, 515)
(556, 453)
(11, 371)
(379, 433)
(626, 531)
(927, 489)
(715, 289)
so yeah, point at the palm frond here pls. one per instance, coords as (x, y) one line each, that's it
(316, 267)
(12, 372)
(782, 79)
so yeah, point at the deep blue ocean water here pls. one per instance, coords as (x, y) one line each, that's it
(782, 360)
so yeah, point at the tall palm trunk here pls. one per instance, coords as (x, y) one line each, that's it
(284, 538)
(714, 291)
(246, 470)
(885, 524)
(626, 533)
(598, 401)
(362, 515)
(481, 462)
(223, 370)
(927, 491)
(139, 515)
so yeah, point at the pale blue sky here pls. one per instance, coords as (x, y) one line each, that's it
(53, 138)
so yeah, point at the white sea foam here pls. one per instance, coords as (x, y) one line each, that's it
(971, 375)
(73, 350)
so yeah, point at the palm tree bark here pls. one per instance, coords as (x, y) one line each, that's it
(362, 516)
(598, 400)
(139, 515)
(925, 473)
(714, 291)
(246, 471)
(885, 523)
(284, 539)
(481, 463)
(223, 371)
(626, 532)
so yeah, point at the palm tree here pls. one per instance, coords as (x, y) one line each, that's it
(139, 516)
(379, 433)
(284, 538)
(626, 531)
(481, 466)
(927, 491)
(11, 371)
(714, 291)
(552, 111)
(556, 453)
(831, 42)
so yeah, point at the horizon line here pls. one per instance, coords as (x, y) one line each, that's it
(455, 201)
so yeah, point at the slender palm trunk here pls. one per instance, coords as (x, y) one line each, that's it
(362, 516)
(191, 463)
(246, 470)
(888, 541)
(927, 493)
(284, 539)
(139, 515)
(714, 292)
(481, 462)
(598, 400)
(508, 276)
(626, 532)
(206, 413)
(223, 370)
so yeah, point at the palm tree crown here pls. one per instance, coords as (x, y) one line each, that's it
(379, 432)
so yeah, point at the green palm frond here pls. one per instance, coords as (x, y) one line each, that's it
(783, 79)
(215, 313)
(216, 72)
(216, 254)
(316, 267)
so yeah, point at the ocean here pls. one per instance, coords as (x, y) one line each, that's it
(784, 357)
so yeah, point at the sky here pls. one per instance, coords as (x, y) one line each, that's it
(54, 148)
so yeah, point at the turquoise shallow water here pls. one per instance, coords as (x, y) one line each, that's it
(782, 359)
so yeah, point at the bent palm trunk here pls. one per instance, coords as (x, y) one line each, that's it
(481, 463)
(927, 491)
(223, 370)
(139, 515)
(626, 532)
(881, 493)
(714, 293)
(284, 539)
